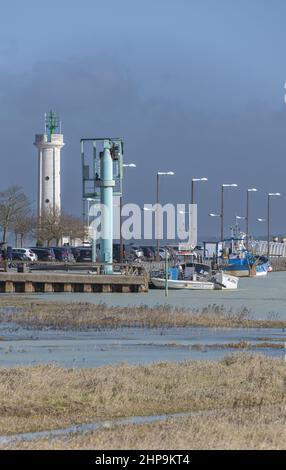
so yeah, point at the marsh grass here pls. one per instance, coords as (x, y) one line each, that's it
(48, 397)
(241, 428)
(82, 316)
(236, 345)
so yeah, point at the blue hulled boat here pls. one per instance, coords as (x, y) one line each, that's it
(249, 265)
(240, 262)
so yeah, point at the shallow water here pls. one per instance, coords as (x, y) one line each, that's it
(263, 296)
(97, 426)
(129, 345)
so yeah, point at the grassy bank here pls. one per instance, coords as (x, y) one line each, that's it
(68, 315)
(242, 428)
(48, 397)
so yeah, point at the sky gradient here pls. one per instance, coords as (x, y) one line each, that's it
(192, 86)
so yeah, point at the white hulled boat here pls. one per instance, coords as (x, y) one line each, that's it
(219, 281)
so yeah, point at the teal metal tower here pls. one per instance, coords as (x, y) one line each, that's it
(102, 163)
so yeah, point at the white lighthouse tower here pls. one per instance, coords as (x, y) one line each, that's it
(49, 147)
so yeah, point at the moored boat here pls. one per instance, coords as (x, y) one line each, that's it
(219, 281)
(160, 283)
(247, 266)
(224, 280)
(240, 262)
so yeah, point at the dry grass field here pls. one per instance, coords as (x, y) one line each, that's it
(252, 428)
(244, 395)
(235, 388)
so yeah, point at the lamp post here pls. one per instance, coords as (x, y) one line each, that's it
(125, 165)
(261, 220)
(160, 173)
(214, 215)
(232, 185)
(193, 187)
(268, 219)
(250, 190)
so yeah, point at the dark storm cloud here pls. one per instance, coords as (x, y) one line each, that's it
(97, 96)
(88, 94)
(71, 86)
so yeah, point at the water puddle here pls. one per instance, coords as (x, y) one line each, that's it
(96, 426)
(19, 346)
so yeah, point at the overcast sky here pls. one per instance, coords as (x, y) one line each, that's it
(193, 86)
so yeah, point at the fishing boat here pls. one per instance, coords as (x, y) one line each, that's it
(240, 262)
(218, 281)
(248, 266)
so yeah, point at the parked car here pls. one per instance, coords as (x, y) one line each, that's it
(163, 253)
(71, 258)
(138, 251)
(44, 254)
(17, 256)
(63, 253)
(6, 251)
(149, 254)
(85, 255)
(75, 251)
(27, 253)
(133, 252)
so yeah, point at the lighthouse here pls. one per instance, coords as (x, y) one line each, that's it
(49, 147)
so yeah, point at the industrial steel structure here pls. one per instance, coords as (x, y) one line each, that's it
(102, 164)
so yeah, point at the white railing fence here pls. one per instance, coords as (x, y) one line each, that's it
(275, 248)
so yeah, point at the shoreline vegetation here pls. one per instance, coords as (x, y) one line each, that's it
(35, 314)
(242, 397)
(245, 393)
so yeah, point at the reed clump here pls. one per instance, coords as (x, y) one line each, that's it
(82, 316)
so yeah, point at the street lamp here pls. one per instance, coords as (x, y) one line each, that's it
(232, 185)
(125, 165)
(250, 190)
(160, 173)
(214, 215)
(193, 187)
(268, 219)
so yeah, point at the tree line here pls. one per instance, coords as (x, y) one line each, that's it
(17, 216)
